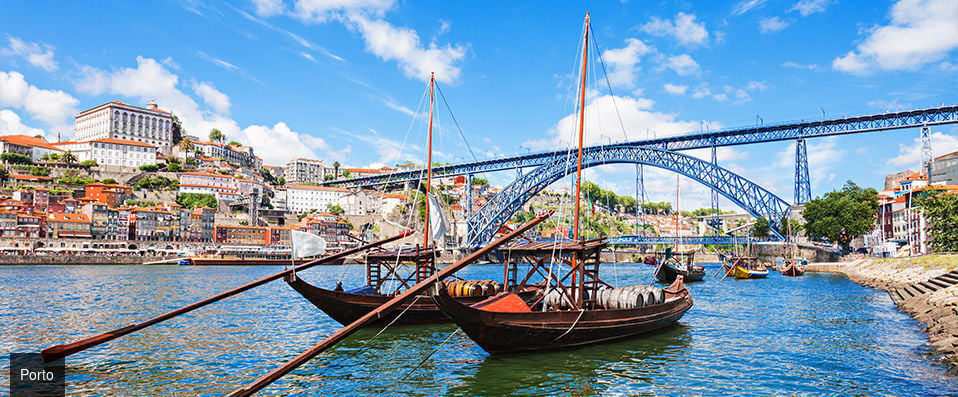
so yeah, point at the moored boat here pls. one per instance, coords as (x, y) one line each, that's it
(745, 267)
(679, 264)
(794, 267)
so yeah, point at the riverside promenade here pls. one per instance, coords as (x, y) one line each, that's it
(936, 307)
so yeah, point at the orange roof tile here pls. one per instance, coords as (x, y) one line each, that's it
(327, 188)
(55, 217)
(26, 140)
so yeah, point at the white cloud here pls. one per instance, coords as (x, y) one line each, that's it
(684, 29)
(39, 55)
(920, 32)
(54, 108)
(623, 62)
(795, 65)
(683, 64)
(278, 144)
(323, 10)
(10, 124)
(756, 86)
(212, 97)
(675, 89)
(809, 7)
(910, 155)
(822, 155)
(390, 152)
(402, 45)
(740, 95)
(268, 8)
(771, 25)
(746, 6)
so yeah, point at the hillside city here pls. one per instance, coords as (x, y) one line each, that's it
(132, 179)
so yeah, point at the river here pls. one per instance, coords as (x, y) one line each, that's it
(815, 335)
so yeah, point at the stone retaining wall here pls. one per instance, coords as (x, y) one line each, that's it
(79, 259)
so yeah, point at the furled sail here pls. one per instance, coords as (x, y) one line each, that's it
(307, 244)
(437, 219)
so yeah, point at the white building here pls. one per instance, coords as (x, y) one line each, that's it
(108, 152)
(305, 171)
(241, 156)
(27, 145)
(302, 198)
(118, 120)
(217, 184)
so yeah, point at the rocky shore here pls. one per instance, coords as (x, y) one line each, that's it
(937, 310)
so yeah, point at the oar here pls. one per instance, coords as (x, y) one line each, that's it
(57, 352)
(380, 311)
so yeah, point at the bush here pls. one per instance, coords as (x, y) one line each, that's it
(158, 183)
(16, 158)
(109, 181)
(76, 180)
(174, 167)
(89, 163)
(140, 203)
(39, 171)
(194, 200)
(149, 167)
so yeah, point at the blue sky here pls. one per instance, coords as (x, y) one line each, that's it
(342, 80)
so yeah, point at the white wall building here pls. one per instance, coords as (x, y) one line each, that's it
(26, 145)
(302, 198)
(108, 152)
(305, 171)
(118, 120)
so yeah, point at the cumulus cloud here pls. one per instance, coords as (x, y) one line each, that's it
(683, 28)
(740, 95)
(212, 97)
(683, 64)
(623, 62)
(909, 155)
(278, 144)
(920, 32)
(55, 108)
(675, 89)
(402, 45)
(10, 124)
(323, 10)
(771, 25)
(39, 55)
(268, 8)
(809, 7)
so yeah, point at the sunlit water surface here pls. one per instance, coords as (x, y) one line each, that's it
(818, 334)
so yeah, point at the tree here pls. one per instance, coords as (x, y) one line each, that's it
(216, 135)
(69, 157)
(235, 143)
(281, 180)
(761, 228)
(841, 215)
(54, 157)
(109, 181)
(194, 200)
(3, 174)
(346, 174)
(480, 181)
(16, 158)
(149, 167)
(174, 167)
(186, 146)
(336, 170)
(89, 163)
(941, 213)
(336, 209)
(190, 161)
(178, 130)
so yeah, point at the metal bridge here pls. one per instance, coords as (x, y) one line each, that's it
(663, 153)
(687, 240)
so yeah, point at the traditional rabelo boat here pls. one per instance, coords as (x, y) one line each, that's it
(388, 274)
(674, 264)
(745, 267)
(794, 267)
(578, 307)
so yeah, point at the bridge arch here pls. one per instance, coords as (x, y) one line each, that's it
(757, 201)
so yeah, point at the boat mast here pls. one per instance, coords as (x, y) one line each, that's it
(425, 233)
(578, 168)
(577, 268)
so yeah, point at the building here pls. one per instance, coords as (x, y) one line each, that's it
(202, 224)
(117, 120)
(944, 169)
(241, 235)
(300, 171)
(240, 156)
(68, 226)
(110, 152)
(302, 198)
(30, 146)
(111, 194)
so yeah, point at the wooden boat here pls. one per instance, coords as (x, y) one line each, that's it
(679, 264)
(794, 267)
(576, 307)
(745, 267)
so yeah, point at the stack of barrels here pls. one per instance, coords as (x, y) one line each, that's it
(632, 297)
(463, 288)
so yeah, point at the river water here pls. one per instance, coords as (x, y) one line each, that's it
(814, 335)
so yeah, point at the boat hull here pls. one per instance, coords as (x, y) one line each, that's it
(792, 270)
(508, 332)
(346, 308)
(667, 274)
(743, 273)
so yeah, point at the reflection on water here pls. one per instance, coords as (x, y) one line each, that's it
(818, 334)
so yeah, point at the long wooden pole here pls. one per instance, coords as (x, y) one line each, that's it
(57, 352)
(578, 271)
(425, 233)
(380, 311)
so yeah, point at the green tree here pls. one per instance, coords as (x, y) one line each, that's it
(186, 146)
(194, 200)
(178, 130)
(89, 163)
(761, 228)
(480, 181)
(842, 215)
(235, 143)
(69, 157)
(336, 209)
(346, 174)
(281, 180)
(174, 167)
(941, 213)
(336, 170)
(16, 158)
(216, 135)
(149, 167)
(109, 181)
(54, 157)
(3, 174)
(190, 161)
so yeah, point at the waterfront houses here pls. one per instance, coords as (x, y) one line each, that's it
(68, 226)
